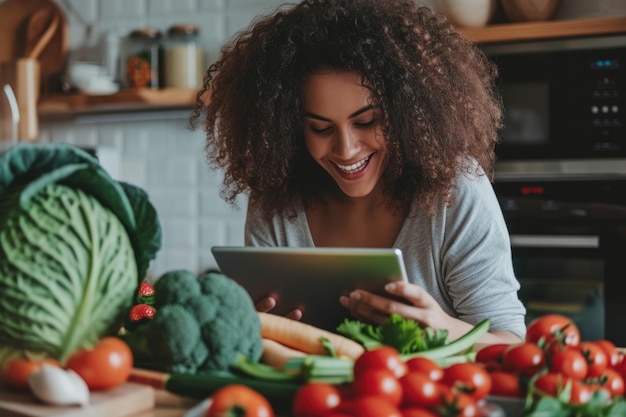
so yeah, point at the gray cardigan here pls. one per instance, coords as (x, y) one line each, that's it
(461, 255)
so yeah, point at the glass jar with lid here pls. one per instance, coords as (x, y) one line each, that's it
(142, 58)
(183, 60)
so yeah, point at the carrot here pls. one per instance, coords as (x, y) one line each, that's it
(305, 337)
(277, 355)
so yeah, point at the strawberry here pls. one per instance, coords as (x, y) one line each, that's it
(145, 293)
(141, 312)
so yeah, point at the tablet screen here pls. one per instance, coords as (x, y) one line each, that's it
(311, 279)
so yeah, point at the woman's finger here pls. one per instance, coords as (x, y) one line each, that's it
(414, 294)
(265, 304)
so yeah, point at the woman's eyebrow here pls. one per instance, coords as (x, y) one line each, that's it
(353, 115)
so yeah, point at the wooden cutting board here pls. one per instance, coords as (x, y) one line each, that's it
(126, 400)
(14, 20)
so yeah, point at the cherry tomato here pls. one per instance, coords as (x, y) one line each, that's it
(570, 362)
(378, 382)
(374, 407)
(553, 328)
(524, 358)
(550, 384)
(419, 389)
(463, 404)
(107, 365)
(505, 384)
(246, 401)
(316, 399)
(426, 366)
(383, 357)
(614, 356)
(468, 377)
(613, 382)
(417, 411)
(596, 358)
(491, 353)
(580, 393)
(15, 372)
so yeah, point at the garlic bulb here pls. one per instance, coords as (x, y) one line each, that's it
(59, 386)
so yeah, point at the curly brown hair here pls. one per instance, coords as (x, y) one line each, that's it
(440, 107)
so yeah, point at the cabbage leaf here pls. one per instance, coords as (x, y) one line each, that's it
(74, 246)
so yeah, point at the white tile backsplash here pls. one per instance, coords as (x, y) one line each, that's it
(156, 150)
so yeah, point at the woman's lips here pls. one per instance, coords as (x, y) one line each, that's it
(354, 168)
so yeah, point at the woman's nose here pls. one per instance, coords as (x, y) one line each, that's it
(346, 143)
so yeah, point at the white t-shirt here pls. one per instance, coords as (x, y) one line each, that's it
(461, 255)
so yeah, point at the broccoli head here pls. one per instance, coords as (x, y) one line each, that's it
(202, 323)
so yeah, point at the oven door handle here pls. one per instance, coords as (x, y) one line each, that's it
(555, 241)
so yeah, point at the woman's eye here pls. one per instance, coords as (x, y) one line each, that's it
(320, 129)
(369, 123)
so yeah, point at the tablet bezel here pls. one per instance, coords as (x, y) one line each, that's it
(324, 274)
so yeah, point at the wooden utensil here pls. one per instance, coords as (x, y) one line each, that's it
(14, 18)
(23, 76)
(41, 27)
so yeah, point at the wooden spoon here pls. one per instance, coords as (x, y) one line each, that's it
(39, 31)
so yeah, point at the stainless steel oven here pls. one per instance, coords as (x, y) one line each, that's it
(568, 237)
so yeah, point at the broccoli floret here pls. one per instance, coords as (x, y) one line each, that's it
(175, 287)
(201, 324)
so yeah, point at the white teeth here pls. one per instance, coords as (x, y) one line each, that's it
(357, 166)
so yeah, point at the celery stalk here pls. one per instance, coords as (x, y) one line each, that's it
(460, 345)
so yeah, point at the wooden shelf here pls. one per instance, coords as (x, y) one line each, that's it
(513, 32)
(125, 100)
(146, 100)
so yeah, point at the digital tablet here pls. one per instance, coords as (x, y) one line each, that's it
(311, 279)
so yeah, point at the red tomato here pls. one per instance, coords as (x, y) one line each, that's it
(505, 384)
(247, 401)
(551, 328)
(15, 372)
(374, 407)
(524, 358)
(463, 404)
(383, 357)
(613, 382)
(613, 355)
(596, 359)
(315, 399)
(581, 393)
(491, 353)
(417, 411)
(468, 377)
(107, 365)
(550, 384)
(378, 382)
(426, 366)
(570, 362)
(419, 389)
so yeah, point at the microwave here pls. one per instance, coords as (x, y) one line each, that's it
(564, 105)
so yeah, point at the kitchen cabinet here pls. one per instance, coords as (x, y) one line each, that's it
(128, 100)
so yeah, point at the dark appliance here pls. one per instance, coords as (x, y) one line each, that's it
(568, 237)
(564, 99)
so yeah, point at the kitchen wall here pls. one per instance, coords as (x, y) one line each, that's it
(156, 150)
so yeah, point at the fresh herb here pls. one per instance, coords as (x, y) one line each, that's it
(405, 335)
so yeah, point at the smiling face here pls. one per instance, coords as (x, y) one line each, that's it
(343, 130)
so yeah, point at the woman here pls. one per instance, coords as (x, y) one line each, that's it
(370, 123)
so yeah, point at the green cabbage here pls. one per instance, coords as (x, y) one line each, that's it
(74, 246)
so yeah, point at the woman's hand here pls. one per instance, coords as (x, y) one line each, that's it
(266, 304)
(419, 305)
